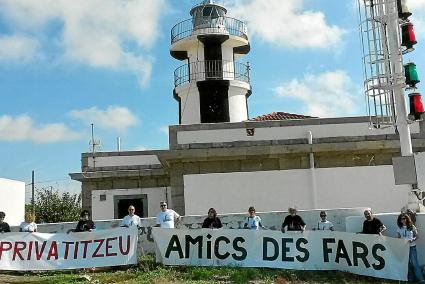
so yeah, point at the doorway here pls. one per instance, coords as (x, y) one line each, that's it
(122, 202)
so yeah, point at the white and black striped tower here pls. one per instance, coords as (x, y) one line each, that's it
(213, 86)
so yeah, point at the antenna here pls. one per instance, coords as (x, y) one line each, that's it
(94, 144)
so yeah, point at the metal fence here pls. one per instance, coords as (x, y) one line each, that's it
(211, 70)
(208, 25)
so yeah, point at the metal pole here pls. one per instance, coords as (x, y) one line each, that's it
(398, 79)
(32, 194)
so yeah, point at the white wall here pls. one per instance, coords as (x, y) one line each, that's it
(277, 190)
(237, 103)
(190, 109)
(116, 161)
(102, 210)
(12, 201)
(283, 133)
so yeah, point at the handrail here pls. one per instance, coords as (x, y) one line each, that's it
(211, 70)
(209, 25)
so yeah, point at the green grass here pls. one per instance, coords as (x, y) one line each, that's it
(148, 271)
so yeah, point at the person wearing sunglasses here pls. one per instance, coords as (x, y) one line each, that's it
(407, 230)
(167, 217)
(85, 224)
(253, 222)
(131, 219)
(323, 224)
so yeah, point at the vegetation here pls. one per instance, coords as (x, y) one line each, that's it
(147, 271)
(52, 207)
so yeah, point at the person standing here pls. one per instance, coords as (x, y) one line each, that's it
(85, 224)
(253, 222)
(4, 227)
(324, 224)
(407, 230)
(167, 217)
(372, 225)
(293, 222)
(131, 219)
(29, 225)
(212, 221)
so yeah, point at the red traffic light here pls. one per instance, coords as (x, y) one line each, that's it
(416, 105)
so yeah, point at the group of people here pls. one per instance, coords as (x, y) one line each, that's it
(167, 218)
(28, 225)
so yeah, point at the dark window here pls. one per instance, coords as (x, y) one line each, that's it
(214, 101)
(102, 197)
(207, 11)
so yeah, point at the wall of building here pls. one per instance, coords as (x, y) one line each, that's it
(12, 201)
(102, 210)
(307, 189)
(123, 160)
(295, 130)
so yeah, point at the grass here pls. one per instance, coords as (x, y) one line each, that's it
(148, 271)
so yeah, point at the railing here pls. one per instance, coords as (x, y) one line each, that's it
(208, 25)
(211, 70)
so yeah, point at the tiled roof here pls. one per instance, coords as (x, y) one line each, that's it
(280, 116)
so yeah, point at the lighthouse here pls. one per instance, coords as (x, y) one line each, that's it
(213, 84)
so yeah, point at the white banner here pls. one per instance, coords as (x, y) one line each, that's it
(39, 251)
(370, 255)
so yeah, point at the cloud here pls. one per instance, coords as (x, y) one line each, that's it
(111, 34)
(417, 7)
(22, 128)
(286, 23)
(164, 129)
(18, 48)
(329, 94)
(114, 117)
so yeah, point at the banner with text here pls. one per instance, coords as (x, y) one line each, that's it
(370, 255)
(39, 251)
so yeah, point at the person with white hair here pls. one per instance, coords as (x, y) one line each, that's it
(293, 222)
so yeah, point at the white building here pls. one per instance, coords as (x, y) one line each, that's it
(220, 158)
(13, 200)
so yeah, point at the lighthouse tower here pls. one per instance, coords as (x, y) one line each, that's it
(213, 85)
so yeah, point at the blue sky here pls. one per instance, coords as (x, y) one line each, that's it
(66, 64)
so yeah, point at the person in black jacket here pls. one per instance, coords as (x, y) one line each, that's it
(212, 221)
(293, 222)
(4, 227)
(85, 224)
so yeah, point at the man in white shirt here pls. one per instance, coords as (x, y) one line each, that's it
(131, 219)
(166, 218)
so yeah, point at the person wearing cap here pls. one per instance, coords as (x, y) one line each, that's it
(166, 217)
(131, 219)
(253, 222)
(293, 222)
(85, 224)
(4, 227)
(323, 224)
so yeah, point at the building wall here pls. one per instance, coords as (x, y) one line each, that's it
(307, 189)
(102, 210)
(232, 134)
(12, 201)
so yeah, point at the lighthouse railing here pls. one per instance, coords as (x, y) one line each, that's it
(211, 70)
(209, 25)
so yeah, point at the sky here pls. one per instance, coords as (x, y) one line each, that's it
(67, 64)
